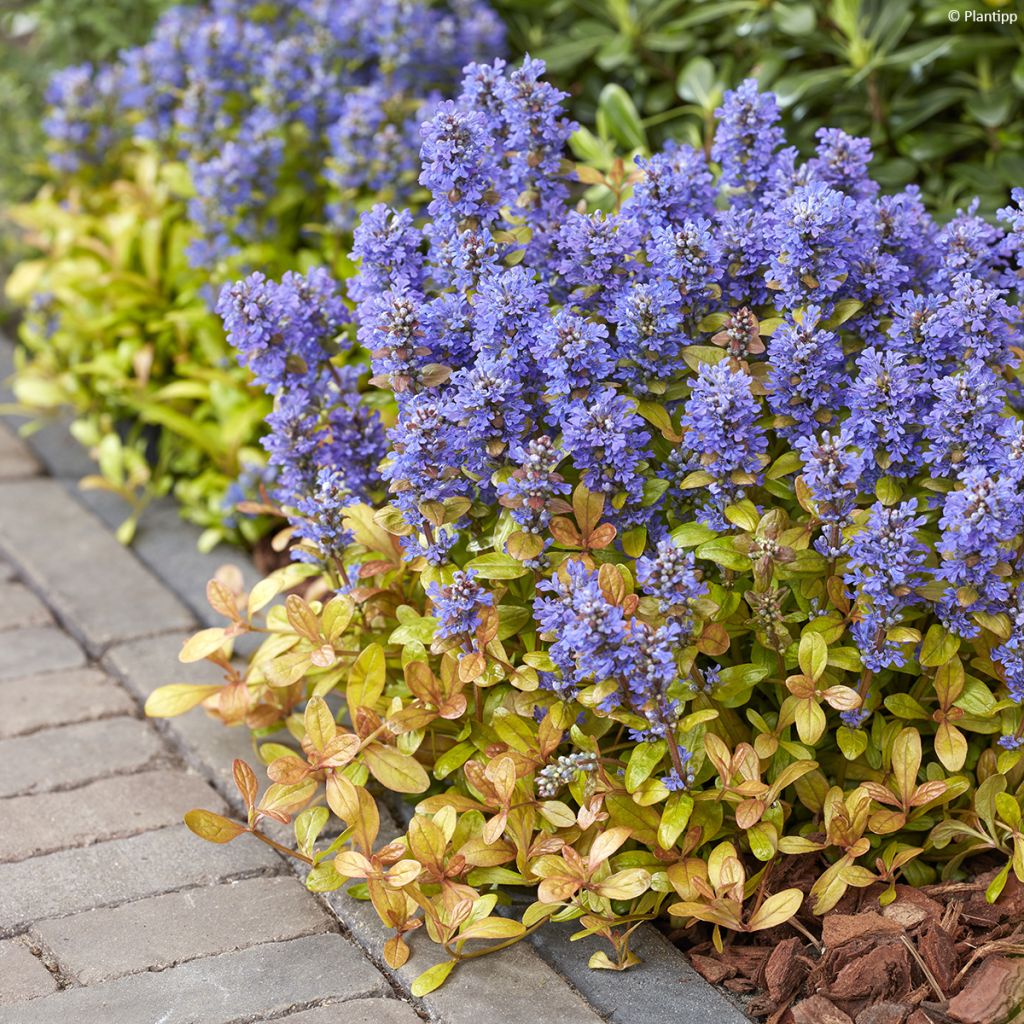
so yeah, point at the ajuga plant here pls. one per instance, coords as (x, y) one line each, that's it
(258, 132)
(689, 544)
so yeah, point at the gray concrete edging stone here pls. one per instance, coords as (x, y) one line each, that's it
(549, 975)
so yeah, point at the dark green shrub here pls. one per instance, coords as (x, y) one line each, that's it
(941, 101)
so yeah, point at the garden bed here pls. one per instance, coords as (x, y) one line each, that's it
(931, 956)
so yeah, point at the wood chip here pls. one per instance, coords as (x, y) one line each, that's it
(993, 995)
(818, 1010)
(838, 929)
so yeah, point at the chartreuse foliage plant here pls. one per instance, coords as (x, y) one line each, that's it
(684, 539)
(242, 134)
(117, 330)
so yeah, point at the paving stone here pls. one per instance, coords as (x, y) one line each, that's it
(664, 989)
(60, 698)
(75, 754)
(162, 931)
(169, 546)
(143, 665)
(22, 976)
(107, 809)
(38, 649)
(265, 981)
(19, 607)
(504, 989)
(115, 872)
(361, 1011)
(96, 586)
(15, 458)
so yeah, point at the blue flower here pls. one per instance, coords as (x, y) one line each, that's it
(886, 563)
(979, 522)
(670, 575)
(608, 445)
(721, 426)
(458, 605)
(747, 136)
(806, 372)
(833, 469)
(885, 400)
(965, 420)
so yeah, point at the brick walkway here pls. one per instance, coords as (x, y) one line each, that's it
(111, 912)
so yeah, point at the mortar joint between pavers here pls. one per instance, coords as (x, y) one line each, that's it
(49, 960)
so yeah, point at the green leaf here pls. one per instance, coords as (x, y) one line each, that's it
(888, 491)
(620, 116)
(214, 828)
(497, 566)
(177, 698)
(308, 826)
(325, 878)
(813, 655)
(674, 819)
(397, 771)
(689, 535)
(722, 551)
(939, 645)
(366, 678)
(432, 978)
(696, 83)
(852, 742)
(996, 886)
(642, 761)
(902, 705)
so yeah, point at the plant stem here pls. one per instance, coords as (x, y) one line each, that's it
(495, 948)
(280, 849)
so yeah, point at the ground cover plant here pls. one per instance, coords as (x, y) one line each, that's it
(675, 568)
(242, 134)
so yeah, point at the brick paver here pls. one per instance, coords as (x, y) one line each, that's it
(59, 698)
(15, 459)
(111, 911)
(96, 586)
(38, 649)
(107, 809)
(22, 975)
(253, 984)
(360, 1011)
(73, 754)
(20, 607)
(163, 931)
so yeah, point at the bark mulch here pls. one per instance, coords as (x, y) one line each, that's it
(936, 955)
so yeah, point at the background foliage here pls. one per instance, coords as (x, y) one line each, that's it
(942, 103)
(37, 37)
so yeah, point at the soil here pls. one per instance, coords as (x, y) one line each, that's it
(936, 955)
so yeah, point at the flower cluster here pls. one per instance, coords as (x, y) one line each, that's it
(324, 443)
(322, 101)
(529, 345)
